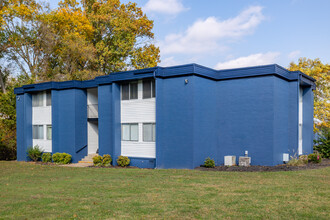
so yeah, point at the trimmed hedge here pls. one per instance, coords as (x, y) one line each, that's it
(62, 158)
(123, 161)
(46, 157)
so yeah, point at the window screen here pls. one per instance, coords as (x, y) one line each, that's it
(149, 132)
(37, 99)
(130, 132)
(146, 89)
(134, 132)
(38, 131)
(48, 98)
(49, 132)
(125, 91)
(149, 89)
(133, 90)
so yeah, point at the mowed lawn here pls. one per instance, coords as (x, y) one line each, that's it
(30, 191)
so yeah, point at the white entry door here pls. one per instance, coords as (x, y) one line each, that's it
(93, 137)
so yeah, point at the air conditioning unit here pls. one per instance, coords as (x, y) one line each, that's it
(230, 160)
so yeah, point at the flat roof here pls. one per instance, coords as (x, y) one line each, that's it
(173, 71)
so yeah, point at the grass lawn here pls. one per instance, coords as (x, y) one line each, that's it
(29, 191)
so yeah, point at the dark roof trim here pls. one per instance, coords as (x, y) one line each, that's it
(169, 72)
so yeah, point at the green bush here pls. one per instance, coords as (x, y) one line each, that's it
(34, 153)
(46, 157)
(322, 144)
(315, 158)
(106, 160)
(123, 161)
(102, 161)
(209, 163)
(62, 158)
(97, 160)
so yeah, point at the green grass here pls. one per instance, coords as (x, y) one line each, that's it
(29, 191)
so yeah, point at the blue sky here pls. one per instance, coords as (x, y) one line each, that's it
(226, 34)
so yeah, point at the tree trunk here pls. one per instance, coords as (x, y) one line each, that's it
(2, 85)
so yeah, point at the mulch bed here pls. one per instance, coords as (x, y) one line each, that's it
(114, 167)
(282, 167)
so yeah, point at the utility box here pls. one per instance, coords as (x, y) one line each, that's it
(244, 161)
(286, 158)
(230, 160)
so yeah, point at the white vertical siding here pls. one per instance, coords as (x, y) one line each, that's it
(138, 111)
(42, 115)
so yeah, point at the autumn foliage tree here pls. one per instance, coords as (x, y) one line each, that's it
(321, 72)
(78, 40)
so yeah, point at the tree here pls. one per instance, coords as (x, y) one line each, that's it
(122, 36)
(320, 72)
(76, 41)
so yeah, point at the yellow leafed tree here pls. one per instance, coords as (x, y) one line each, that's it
(321, 72)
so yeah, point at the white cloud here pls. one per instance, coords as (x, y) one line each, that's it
(251, 60)
(294, 54)
(168, 61)
(205, 35)
(171, 7)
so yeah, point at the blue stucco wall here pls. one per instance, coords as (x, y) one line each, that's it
(69, 122)
(281, 120)
(174, 122)
(308, 111)
(293, 118)
(24, 125)
(246, 117)
(205, 121)
(109, 120)
(142, 162)
(205, 118)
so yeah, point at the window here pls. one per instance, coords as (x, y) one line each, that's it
(149, 89)
(129, 91)
(125, 91)
(37, 99)
(49, 132)
(130, 132)
(38, 131)
(48, 98)
(149, 132)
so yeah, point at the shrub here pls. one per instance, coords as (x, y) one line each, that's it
(322, 143)
(46, 157)
(34, 153)
(294, 161)
(209, 163)
(106, 160)
(97, 160)
(315, 158)
(303, 159)
(123, 161)
(62, 158)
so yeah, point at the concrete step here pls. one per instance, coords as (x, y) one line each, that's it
(91, 162)
(88, 158)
